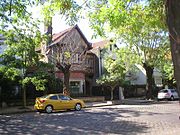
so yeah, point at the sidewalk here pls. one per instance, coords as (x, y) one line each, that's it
(19, 109)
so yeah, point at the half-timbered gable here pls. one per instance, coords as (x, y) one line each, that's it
(71, 47)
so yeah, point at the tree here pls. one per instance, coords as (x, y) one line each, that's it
(20, 55)
(69, 9)
(168, 73)
(117, 67)
(9, 78)
(22, 36)
(137, 25)
(173, 20)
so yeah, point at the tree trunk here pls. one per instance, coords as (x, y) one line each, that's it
(173, 22)
(24, 97)
(66, 90)
(66, 71)
(149, 83)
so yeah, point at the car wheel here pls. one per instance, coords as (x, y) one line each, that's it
(78, 107)
(172, 98)
(49, 109)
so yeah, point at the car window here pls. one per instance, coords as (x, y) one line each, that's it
(164, 91)
(172, 90)
(62, 97)
(53, 97)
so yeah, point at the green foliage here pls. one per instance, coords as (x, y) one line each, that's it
(14, 9)
(166, 67)
(36, 81)
(120, 16)
(109, 80)
(138, 24)
(9, 73)
(168, 71)
(67, 55)
(22, 37)
(20, 54)
(117, 67)
(67, 8)
(127, 56)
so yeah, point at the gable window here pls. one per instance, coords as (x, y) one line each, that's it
(110, 47)
(61, 57)
(75, 58)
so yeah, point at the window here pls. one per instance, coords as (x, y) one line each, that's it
(74, 83)
(164, 91)
(61, 57)
(62, 97)
(75, 58)
(172, 90)
(110, 47)
(75, 87)
(53, 97)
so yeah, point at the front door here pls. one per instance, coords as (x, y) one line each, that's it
(65, 102)
(75, 87)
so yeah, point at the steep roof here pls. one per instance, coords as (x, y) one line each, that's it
(59, 36)
(100, 44)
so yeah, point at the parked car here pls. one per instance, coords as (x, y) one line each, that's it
(169, 94)
(54, 102)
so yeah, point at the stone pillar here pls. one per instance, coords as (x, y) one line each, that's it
(121, 96)
(81, 86)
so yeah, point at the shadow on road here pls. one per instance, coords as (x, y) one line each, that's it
(88, 121)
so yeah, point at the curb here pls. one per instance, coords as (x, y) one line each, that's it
(97, 104)
(17, 112)
(31, 110)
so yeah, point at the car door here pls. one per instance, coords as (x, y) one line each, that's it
(65, 102)
(53, 100)
(175, 94)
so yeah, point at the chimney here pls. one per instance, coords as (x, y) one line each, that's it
(48, 29)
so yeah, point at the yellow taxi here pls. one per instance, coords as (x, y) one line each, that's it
(53, 102)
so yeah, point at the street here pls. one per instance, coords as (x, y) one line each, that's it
(159, 119)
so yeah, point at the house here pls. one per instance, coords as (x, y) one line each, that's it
(137, 79)
(98, 49)
(73, 41)
(84, 72)
(101, 49)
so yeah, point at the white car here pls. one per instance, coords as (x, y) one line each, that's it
(169, 94)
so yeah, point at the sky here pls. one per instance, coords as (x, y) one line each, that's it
(59, 24)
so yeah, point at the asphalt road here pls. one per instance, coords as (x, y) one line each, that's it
(159, 119)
